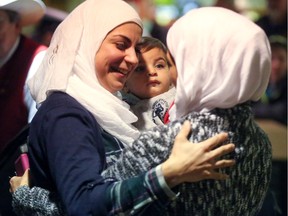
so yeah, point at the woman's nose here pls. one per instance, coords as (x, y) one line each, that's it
(131, 57)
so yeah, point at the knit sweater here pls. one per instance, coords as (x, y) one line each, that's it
(36, 202)
(242, 194)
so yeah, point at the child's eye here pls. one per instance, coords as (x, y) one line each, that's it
(160, 66)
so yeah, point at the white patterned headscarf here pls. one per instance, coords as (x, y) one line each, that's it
(69, 64)
(222, 58)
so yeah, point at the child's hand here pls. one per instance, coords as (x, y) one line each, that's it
(18, 181)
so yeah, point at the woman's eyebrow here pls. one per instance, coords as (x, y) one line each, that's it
(122, 36)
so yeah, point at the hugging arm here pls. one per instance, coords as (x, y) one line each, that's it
(154, 178)
(156, 146)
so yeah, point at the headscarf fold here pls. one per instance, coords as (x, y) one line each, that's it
(69, 64)
(222, 59)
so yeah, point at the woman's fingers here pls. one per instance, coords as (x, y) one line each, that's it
(223, 164)
(221, 151)
(25, 178)
(14, 183)
(214, 141)
(218, 164)
(209, 169)
(17, 181)
(190, 162)
(216, 175)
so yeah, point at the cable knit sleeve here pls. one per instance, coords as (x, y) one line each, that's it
(149, 150)
(36, 201)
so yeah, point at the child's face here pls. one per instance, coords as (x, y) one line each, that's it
(151, 77)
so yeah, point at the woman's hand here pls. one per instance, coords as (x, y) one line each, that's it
(17, 181)
(195, 162)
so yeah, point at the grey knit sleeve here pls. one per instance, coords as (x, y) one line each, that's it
(151, 149)
(36, 201)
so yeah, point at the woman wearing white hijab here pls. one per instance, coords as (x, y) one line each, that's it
(80, 119)
(223, 63)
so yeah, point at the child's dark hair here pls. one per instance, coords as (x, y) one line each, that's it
(147, 43)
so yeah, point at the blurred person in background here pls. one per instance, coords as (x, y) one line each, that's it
(16, 56)
(273, 104)
(275, 20)
(45, 29)
(16, 104)
(147, 11)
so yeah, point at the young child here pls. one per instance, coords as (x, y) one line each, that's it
(220, 71)
(149, 90)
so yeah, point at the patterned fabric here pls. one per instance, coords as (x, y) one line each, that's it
(241, 194)
(37, 202)
(152, 191)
